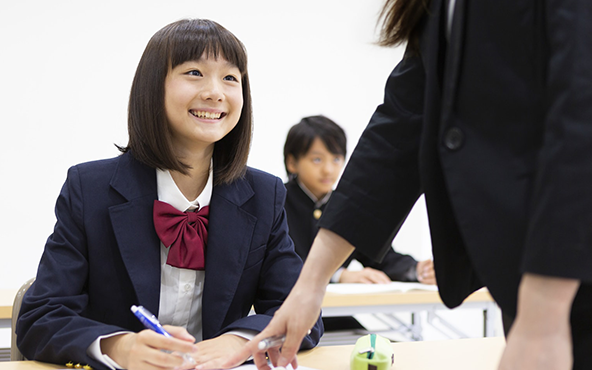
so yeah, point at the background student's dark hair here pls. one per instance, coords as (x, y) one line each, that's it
(302, 134)
(149, 134)
(400, 22)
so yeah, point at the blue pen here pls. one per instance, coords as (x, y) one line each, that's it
(151, 322)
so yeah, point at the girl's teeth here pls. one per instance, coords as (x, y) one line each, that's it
(207, 115)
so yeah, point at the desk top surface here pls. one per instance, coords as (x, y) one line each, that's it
(392, 298)
(459, 354)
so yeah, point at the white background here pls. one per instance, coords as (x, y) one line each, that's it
(66, 68)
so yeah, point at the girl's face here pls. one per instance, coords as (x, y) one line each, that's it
(318, 169)
(203, 102)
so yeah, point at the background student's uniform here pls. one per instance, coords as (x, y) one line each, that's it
(105, 256)
(495, 127)
(303, 213)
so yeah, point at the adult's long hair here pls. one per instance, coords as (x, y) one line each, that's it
(400, 22)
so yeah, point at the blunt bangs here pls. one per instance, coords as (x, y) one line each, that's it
(191, 39)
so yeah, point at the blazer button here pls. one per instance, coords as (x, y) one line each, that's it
(454, 138)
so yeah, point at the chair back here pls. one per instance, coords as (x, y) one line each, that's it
(15, 354)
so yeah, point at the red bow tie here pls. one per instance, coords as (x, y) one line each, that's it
(186, 233)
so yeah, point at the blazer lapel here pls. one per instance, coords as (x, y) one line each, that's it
(134, 231)
(230, 233)
(453, 56)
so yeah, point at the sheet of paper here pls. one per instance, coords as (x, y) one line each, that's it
(394, 286)
(253, 367)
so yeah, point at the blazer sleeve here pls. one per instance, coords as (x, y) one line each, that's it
(559, 239)
(381, 181)
(51, 327)
(278, 274)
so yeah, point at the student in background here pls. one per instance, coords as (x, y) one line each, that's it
(183, 170)
(314, 155)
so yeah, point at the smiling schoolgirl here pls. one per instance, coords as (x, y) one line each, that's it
(178, 223)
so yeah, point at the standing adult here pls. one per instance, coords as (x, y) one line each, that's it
(489, 114)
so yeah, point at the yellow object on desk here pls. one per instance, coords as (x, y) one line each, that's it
(372, 352)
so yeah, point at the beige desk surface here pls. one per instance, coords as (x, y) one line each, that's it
(459, 354)
(6, 300)
(390, 298)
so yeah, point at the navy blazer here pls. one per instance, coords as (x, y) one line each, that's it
(104, 256)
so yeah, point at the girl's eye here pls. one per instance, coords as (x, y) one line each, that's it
(337, 160)
(230, 78)
(316, 160)
(194, 72)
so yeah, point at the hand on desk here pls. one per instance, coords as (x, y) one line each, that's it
(366, 276)
(214, 353)
(143, 350)
(425, 272)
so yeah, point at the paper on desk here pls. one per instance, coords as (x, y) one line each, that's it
(253, 367)
(394, 286)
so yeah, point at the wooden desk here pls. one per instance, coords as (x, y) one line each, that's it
(415, 301)
(458, 354)
(6, 301)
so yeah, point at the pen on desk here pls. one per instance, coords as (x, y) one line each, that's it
(151, 322)
(273, 341)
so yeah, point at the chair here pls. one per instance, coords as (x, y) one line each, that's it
(15, 354)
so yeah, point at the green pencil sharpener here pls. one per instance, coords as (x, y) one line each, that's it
(372, 352)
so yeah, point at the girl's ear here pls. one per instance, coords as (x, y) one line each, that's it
(292, 164)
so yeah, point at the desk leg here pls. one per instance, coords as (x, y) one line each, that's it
(416, 328)
(489, 312)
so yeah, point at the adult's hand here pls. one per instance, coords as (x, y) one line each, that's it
(425, 272)
(144, 350)
(368, 275)
(540, 338)
(301, 309)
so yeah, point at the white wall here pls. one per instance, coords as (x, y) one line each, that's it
(67, 66)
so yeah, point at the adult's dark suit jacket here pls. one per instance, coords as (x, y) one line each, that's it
(495, 127)
(104, 256)
(303, 229)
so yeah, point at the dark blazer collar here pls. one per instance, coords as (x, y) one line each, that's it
(133, 179)
(453, 55)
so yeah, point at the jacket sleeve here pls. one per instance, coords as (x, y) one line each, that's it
(279, 272)
(51, 327)
(381, 182)
(559, 239)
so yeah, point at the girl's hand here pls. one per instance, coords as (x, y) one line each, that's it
(145, 350)
(214, 353)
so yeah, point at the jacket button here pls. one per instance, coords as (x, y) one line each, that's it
(453, 138)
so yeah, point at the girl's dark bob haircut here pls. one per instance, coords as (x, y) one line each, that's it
(149, 134)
